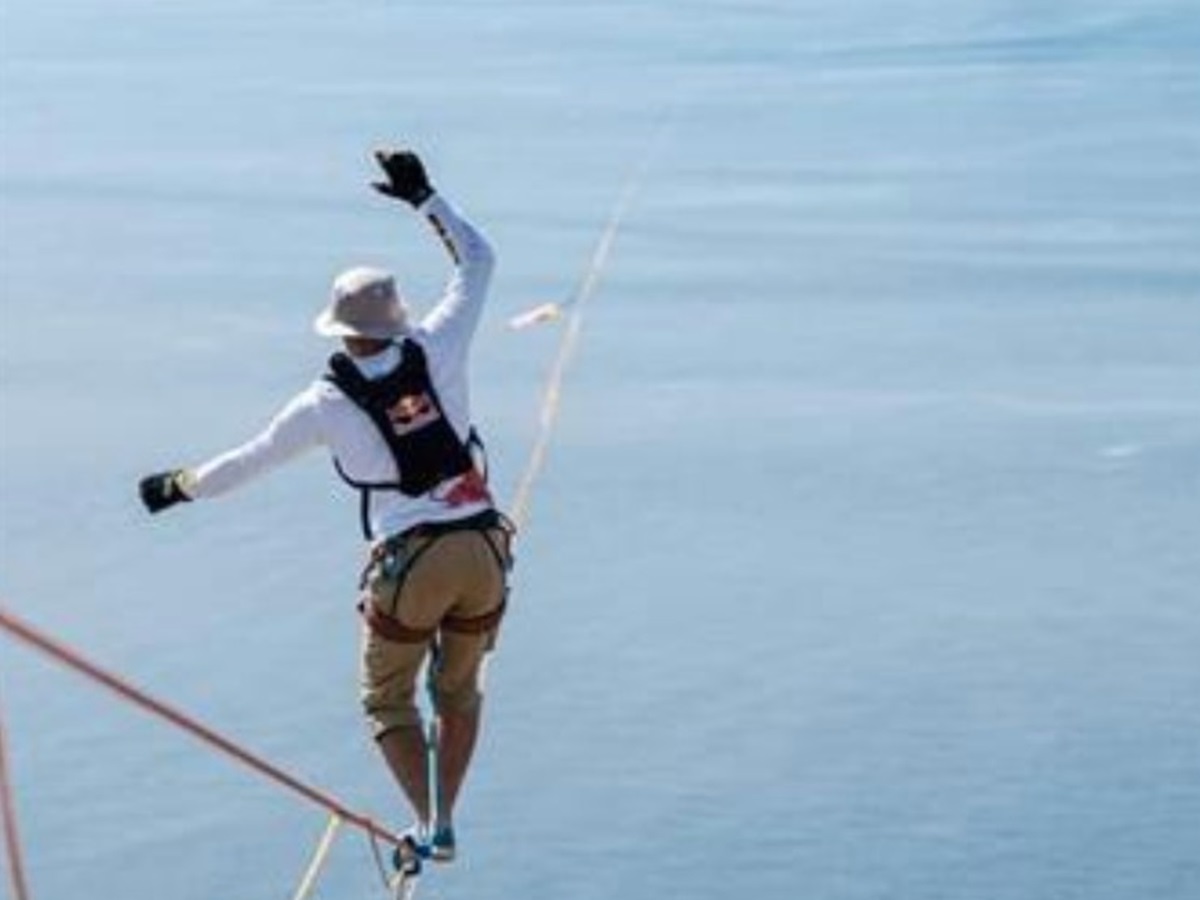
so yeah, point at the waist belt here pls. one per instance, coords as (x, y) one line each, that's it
(481, 521)
(391, 628)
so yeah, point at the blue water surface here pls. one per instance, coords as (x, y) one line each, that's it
(864, 564)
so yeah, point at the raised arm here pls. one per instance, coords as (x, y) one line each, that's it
(454, 318)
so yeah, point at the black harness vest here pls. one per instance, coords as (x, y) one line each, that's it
(406, 411)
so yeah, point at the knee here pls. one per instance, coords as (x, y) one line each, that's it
(384, 715)
(387, 686)
(457, 698)
(388, 704)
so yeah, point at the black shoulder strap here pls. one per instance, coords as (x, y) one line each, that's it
(410, 350)
(344, 373)
(350, 381)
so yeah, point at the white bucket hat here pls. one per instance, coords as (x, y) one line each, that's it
(363, 303)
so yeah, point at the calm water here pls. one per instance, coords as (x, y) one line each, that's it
(865, 565)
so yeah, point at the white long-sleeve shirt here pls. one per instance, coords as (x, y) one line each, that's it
(321, 415)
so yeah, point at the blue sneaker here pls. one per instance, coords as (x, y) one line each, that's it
(442, 844)
(410, 851)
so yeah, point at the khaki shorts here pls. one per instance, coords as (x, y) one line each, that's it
(460, 574)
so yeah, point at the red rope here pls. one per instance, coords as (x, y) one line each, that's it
(8, 812)
(73, 660)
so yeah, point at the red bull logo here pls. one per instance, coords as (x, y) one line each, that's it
(411, 412)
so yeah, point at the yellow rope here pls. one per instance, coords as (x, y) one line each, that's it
(317, 863)
(573, 309)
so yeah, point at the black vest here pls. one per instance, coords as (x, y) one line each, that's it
(406, 410)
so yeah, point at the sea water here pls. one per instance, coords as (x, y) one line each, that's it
(865, 560)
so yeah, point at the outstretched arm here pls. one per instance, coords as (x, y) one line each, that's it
(291, 432)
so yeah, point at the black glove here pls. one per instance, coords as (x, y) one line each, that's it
(406, 178)
(162, 490)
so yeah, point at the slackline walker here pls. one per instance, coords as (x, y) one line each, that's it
(406, 180)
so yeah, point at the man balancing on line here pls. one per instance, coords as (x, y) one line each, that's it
(393, 412)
